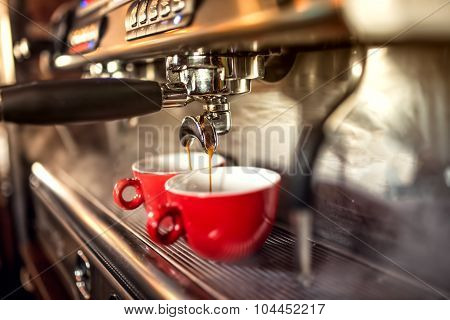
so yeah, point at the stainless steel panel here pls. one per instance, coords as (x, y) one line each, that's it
(254, 25)
(61, 246)
(382, 174)
(249, 25)
(399, 20)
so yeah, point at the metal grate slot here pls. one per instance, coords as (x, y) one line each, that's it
(271, 272)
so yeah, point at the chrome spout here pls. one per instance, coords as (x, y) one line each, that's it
(211, 79)
(198, 128)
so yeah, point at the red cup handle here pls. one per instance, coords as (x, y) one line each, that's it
(118, 194)
(154, 223)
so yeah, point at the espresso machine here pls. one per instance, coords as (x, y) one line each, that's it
(348, 100)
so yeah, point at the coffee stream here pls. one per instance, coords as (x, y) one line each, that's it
(210, 156)
(210, 151)
(188, 150)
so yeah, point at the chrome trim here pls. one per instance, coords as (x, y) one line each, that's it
(218, 25)
(68, 227)
(82, 274)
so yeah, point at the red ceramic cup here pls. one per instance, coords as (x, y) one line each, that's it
(227, 224)
(151, 174)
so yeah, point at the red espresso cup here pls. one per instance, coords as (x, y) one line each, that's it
(226, 224)
(151, 174)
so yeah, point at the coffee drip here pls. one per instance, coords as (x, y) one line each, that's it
(210, 150)
(210, 156)
(188, 150)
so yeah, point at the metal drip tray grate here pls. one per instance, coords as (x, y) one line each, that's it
(271, 273)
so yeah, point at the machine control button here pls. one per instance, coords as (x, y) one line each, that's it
(164, 8)
(153, 10)
(142, 12)
(132, 18)
(178, 5)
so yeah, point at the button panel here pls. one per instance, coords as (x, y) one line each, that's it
(147, 17)
(132, 21)
(153, 10)
(164, 8)
(142, 12)
(178, 5)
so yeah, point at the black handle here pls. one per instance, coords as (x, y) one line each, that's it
(85, 100)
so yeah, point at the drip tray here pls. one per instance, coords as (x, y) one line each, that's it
(271, 273)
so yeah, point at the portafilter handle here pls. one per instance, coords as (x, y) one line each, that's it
(86, 100)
